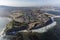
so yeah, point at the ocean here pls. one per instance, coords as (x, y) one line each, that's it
(52, 34)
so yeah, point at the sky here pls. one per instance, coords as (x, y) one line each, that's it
(29, 2)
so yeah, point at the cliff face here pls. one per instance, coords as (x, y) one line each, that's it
(31, 18)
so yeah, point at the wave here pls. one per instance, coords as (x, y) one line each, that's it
(56, 16)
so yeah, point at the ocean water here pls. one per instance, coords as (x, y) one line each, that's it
(3, 22)
(52, 34)
(54, 12)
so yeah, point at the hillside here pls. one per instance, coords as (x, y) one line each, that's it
(6, 10)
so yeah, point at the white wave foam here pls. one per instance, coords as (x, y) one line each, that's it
(56, 16)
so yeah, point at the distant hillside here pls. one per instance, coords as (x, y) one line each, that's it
(6, 10)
